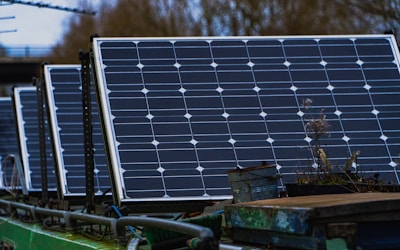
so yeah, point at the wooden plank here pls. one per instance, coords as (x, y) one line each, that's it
(321, 206)
(313, 201)
(309, 222)
(299, 214)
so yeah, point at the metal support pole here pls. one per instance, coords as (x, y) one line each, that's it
(87, 130)
(100, 111)
(42, 139)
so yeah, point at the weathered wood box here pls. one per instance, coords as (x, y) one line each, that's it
(335, 221)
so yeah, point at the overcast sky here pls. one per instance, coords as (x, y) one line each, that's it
(35, 27)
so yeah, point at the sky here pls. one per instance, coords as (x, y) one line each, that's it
(34, 26)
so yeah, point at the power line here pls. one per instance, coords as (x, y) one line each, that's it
(50, 6)
(8, 31)
(6, 18)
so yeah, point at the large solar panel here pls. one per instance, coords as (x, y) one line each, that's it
(8, 140)
(181, 112)
(26, 111)
(64, 98)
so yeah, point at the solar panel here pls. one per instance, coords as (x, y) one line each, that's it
(8, 140)
(179, 113)
(64, 99)
(26, 112)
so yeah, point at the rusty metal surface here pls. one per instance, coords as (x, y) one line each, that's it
(254, 183)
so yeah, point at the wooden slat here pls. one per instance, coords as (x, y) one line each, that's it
(314, 201)
(323, 206)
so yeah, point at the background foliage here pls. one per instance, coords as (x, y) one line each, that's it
(165, 18)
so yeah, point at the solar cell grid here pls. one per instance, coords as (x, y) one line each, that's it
(187, 110)
(26, 110)
(8, 140)
(64, 97)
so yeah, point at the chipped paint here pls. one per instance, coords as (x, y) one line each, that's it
(318, 222)
(272, 219)
(282, 221)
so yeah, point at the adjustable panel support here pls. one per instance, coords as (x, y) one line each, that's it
(87, 130)
(42, 139)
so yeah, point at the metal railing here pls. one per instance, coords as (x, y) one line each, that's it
(25, 52)
(117, 226)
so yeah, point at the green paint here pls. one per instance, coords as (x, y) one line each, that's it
(271, 219)
(33, 236)
(250, 218)
(336, 244)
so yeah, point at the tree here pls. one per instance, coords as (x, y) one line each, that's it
(81, 27)
(165, 18)
(128, 18)
(280, 17)
(386, 13)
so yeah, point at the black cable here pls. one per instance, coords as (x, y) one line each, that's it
(49, 6)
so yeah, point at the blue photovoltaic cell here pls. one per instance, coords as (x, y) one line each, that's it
(180, 112)
(26, 111)
(64, 97)
(8, 140)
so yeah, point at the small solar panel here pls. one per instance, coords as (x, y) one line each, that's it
(8, 140)
(179, 113)
(26, 111)
(64, 99)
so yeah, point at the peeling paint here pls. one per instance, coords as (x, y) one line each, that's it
(271, 219)
(282, 221)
